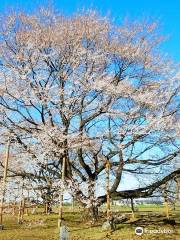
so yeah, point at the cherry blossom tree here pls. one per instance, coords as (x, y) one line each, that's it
(87, 90)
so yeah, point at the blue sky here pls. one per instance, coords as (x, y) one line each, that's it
(167, 12)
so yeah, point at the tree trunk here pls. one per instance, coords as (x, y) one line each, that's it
(93, 213)
(92, 209)
(47, 207)
(90, 214)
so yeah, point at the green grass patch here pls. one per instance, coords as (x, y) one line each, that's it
(44, 227)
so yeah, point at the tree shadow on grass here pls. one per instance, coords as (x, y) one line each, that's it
(154, 220)
(87, 227)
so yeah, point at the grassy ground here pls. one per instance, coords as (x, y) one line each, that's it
(44, 227)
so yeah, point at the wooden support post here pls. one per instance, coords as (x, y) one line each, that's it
(27, 203)
(178, 187)
(108, 208)
(132, 209)
(19, 212)
(4, 182)
(72, 206)
(14, 208)
(166, 209)
(23, 209)
(165, 196)
(177, 180)
(46, 208)
(21, 206)
(61, 194)
(27, 211)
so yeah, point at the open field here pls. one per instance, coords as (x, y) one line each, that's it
(44, 227)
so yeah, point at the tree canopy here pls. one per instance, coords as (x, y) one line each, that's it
(90, 91)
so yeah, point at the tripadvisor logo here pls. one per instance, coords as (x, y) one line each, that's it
(139, 231)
